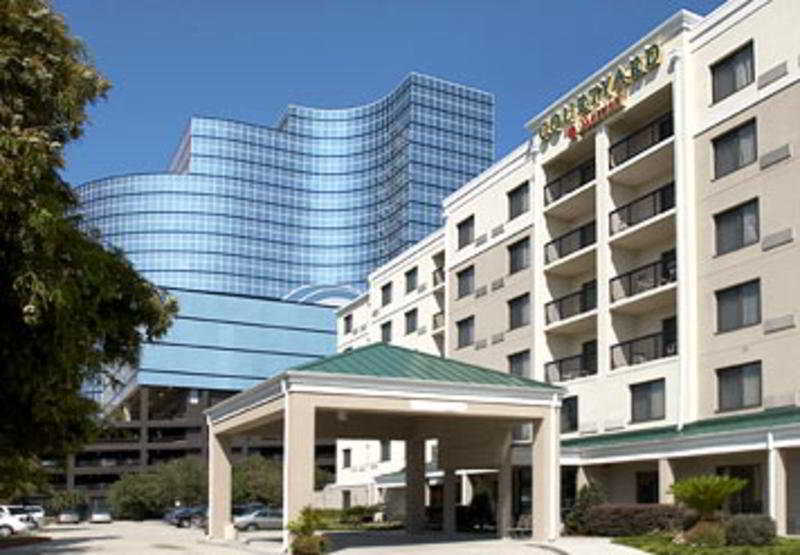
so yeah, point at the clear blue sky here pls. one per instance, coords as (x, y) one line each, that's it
(248, 59)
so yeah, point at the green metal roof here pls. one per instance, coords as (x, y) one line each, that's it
(381, 360)
(768, 418)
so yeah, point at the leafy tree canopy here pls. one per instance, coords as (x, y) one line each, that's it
(70, 308)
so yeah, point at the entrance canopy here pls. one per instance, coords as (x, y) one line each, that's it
(387, 392)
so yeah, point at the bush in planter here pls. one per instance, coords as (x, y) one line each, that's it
(590, 495)
(305, 541)
(750, 530)
(633, 519)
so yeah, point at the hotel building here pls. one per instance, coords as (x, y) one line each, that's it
(639, 251)
(260, 232)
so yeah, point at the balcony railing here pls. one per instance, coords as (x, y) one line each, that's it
(571, 368)
(570, 305)
(643, 208)
(640, 140)
(643, 279)
(438, 277)
(643, 349)
(438, 320)
(568, 182)
(570, 242)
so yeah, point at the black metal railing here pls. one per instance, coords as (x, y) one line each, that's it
(643, 349)
(642, 208)
(643, 279)
(570, 305)
(438, 320)
(438, 276)
(570, 242)
(568, 182)
(570, 368)
(640, 140)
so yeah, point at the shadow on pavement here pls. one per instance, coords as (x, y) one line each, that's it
(396, 538)
(60, 545)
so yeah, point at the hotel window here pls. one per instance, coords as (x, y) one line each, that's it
(569, 414)
(346, 458)
(519, 311)
(386, 332)
(386, 450)
(518, 201)
(739, 306)
(346, 499)
(466, 281)
(519, 364)
(519, 256)
(348, 323)
(411, 321)
(737, 227)
(386, 294)
(739, 387)
(411, 280)
(735, 149)
(466, 232)
(733, 73)
(647, 401)
(466, 331)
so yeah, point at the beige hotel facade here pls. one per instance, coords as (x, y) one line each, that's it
(640, 252)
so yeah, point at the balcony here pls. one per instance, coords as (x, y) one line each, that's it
(642, 209)
(572, 242)
(570, 368)
(643, 349)
(644, 278)
(570, 181)
(569, 306)
(640, 140)
(438, 277)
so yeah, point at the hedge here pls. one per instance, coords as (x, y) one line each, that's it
(633, 519)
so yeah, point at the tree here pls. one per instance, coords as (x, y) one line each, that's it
(71, 307)
(590, 495)
(184, 480)
(66, 501)
(706, 493)
(136, 496)
(258, 479)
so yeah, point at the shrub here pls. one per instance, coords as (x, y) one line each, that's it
(706, 533)
(750, 530)
(359, 513)
(305, 541)
(309, 545)
(590, 495)
(705, 493)
(632, 519)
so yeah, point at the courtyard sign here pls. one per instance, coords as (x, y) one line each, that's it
(602, 99)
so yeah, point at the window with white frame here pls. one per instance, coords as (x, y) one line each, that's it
(735, 149)
(518, 201)
(466, 331)
(739, 306)
(519, 311)
(466, 281)
(519, 255)
(732, 73)
(737, 227)
(647, 401)
(466, 232)
(519, 364)
(411, 321)
(739, 387)
(411, 280)
(386, 332)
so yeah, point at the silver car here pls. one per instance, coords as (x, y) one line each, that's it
(260, 519)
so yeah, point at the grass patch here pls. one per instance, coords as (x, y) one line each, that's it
(661, 544)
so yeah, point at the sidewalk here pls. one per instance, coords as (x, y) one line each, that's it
(582, 545)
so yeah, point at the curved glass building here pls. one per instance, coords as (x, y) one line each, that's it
(302, 211)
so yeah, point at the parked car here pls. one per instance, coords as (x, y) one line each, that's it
(68, 517)
(11, 523)
(100, 516)
(182, 518)
(36, 512)
(19, 512)
(260, 519)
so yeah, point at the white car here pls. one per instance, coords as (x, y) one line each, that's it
(10, 524)
(100, 516)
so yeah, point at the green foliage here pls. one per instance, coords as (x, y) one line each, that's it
(631, 519)
(71, 308)
(184, 480)
(257, 478)
(21, 477)
(750, 530)
(663, 544)
(68, 500)
(359, 514)
(705, 493)
(304, 528)
(706, 533)
(589, 495)
(137, 496)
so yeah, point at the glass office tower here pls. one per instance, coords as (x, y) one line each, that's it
(260, 230)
